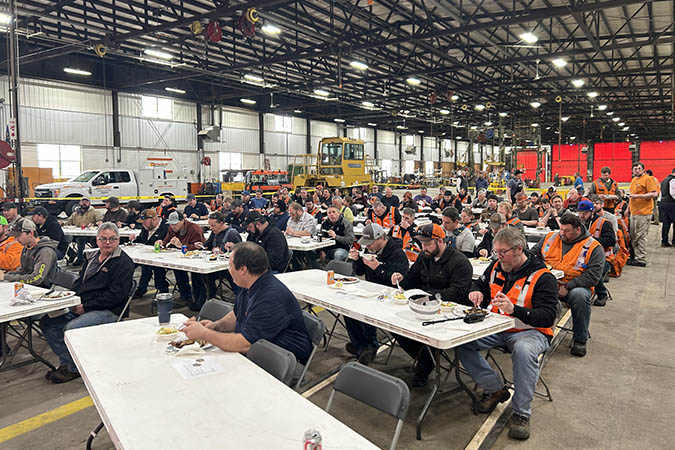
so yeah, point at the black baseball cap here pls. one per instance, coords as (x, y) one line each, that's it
(8, 205)
(253, 217)
(40, 211)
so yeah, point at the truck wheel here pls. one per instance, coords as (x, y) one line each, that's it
(70, 206)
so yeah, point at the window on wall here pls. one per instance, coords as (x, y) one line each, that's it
(283, 123)
(386, 166)
(409, 166)
(229, 161)
(64, 160)
(360, 133)
(429, 168)
(409, 140)
(156, 107)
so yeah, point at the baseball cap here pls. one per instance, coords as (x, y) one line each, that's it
(430, 231)
(252, 217)
(191, 197)
(8, 205)
(40, 211)
(281, 205)
(147, 214)
(585, 205)
(113, 201)
(245, 193)
(174, 218)
(447, 193)
(371, 233)
(24, 225)
(85, 199)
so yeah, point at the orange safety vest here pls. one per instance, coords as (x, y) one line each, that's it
(601, 189)
(10, 254)
(520, 294)
(621, 257)
(216, 208)
(385, 222)
(160, 210)
(574, 261)
(596, 231)
(513, 221)
(410, 247)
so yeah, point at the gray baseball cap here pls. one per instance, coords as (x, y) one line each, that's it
(371, 233)
(174, 218)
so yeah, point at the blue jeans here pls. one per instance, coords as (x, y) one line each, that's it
(81, 242)
(600, 289)
(54, 329)
(361, 334)
(525, 347)
(339, 254)
(160, 279)
(579, 300)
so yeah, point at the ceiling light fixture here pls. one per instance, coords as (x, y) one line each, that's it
(454, 98)
(535, 104)
(602, 107)
(445, 112)
(420, 131)
(297, 111)
(625, 129)
(559, 62)
(158, 54)
(611, 113)
(321, 92)
(621, 124)
(175, 90)
(503, 114)
(488, 123)
(268, 28)
(572, 138)
(565, 119)
(248, 101)
(615, 119)
(474, 127)
(372, 124)
(577, 83)
(5, 18)
(592, 94)
(368, 104)
(528, 37)
(359, 65)
(479, 107)
(413, 81)
(256, 78)
(455, 123)
(535, 124)
(400, 127)
(339, 120)
(86, 73)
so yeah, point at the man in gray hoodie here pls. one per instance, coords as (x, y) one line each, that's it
(38, 257)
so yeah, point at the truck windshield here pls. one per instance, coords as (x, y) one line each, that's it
(85, 176)
(331, 154)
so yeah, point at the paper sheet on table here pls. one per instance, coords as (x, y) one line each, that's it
(192, 369)
(354, 291)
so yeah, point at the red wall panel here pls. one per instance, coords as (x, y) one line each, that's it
(527, 161)
(614, 155)
(658, 156)
(571, 161)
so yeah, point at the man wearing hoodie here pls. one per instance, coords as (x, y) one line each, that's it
(38, 258)
(385, 257)
(574, 251)
(534, 309)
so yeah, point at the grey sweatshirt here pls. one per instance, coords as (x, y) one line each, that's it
(38, 264)
(591, 275)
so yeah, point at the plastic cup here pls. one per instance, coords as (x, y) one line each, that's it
(164, 307)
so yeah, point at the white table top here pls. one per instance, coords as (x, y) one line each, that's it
(174, 259)
(202, 223)
(532, 231)
(146, 404)
(480, 266)
(310, 286)
(296, 244)
(91, 232)
(9, 313)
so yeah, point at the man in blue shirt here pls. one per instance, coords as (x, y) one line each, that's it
(259, 202)
(195, 210)
(264, 309)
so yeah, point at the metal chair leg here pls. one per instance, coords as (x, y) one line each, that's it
(93, 434)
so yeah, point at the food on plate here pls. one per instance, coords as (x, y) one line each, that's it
(192, 253)
(167, 330)
(58, 294)
(184, 342)
(347, 279)
(338, 283)
(476, 310)
(399, 296)
(483, 258)
(448, 304)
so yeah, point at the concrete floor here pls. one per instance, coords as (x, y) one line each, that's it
(618, 397)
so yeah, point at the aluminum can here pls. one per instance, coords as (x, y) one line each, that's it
(183, 249)
(330, 277)
(312, 440)
(158, 246)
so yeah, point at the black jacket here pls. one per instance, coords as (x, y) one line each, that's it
(486, 243)
(220, 239)
(108, 288)
(52, 229)
(392, 259)
(388, 202)
(344, 232)
(159, 235)
(544, 298)
(236, 221)
(450, 275)
(275, 245)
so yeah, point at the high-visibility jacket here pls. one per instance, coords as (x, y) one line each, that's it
(214, 207)
(596, 230)
(513, 221)
(164, 212)
(520, 294)
(387, 221)
(10, 254)
(621, 257)
(574, 261)
(410, 247)
(601, 189)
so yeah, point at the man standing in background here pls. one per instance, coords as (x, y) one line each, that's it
(643, 191)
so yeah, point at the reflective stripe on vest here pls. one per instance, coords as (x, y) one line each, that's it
(513, 221)
(385, 222)
(411, 249)
(574, 262)
(596, 231)
(520, 294)
(601, 189)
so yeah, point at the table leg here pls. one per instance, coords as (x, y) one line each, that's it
(25, 337)
(434, 390)
(29, 341)
(3, 347)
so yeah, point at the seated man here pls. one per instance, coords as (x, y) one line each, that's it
(166, 207)
(103, 287)
(259, 202)
(135, 209)
(10, 249)
(216, 204)
(383, 216)
(84, 216)
(280, 216)
(389, 199)
(195, 210)
(463, 197)
(343, 209)
(490, 209)
(153, 229)
(439, 269)
(315, 212)
(47, 225)
(484, 249)
(574, 251)
(337, 227)
(300, 224)
(446, 200)
(502, 286)
(457, 235)
(264, 309)
(11, 213)
(237, 216)
(270, 238)
(466, 219)
(422, 199)
(506, 209)
(38, 258)
(406, 233)
(183, 232)
(552, 216)
(572, 200)
(481, 200)
(527, 214)
(114, 213)
(602, 231)
(247, 201)
(223, 237)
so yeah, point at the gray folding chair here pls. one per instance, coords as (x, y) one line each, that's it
(376, 389)
(65, 278)
(315, 329)
(214, 310)
(273, 359)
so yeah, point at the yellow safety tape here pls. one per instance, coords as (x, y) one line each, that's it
(43, 419)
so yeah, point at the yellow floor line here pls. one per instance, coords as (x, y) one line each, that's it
(43, 419)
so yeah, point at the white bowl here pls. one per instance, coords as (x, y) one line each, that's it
(424, 308)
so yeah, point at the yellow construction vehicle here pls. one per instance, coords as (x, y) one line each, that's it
(340, 162)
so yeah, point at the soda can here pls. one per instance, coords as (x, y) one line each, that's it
(183, 249)
(17, 288)
(312, 440)
(158, 246)
(330, 277)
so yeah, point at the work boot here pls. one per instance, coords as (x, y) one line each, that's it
(351, 349)
(420, 379)
(488, 402)
(519, 427)
(367, 355)
(138, 294)
(578, 349)
(636, 263)
(600, 300)
(665, 244)
(63, 375)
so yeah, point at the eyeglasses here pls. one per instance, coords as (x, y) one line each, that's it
(110, 239)
(501, 253)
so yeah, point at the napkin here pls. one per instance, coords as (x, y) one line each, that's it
(191, 350)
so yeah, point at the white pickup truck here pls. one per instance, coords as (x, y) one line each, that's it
(101, 184)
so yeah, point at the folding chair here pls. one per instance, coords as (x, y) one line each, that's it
(315, 329)
(274, 360)
(540, 361)
(376, 389)
(214, 310)
(65, 278)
